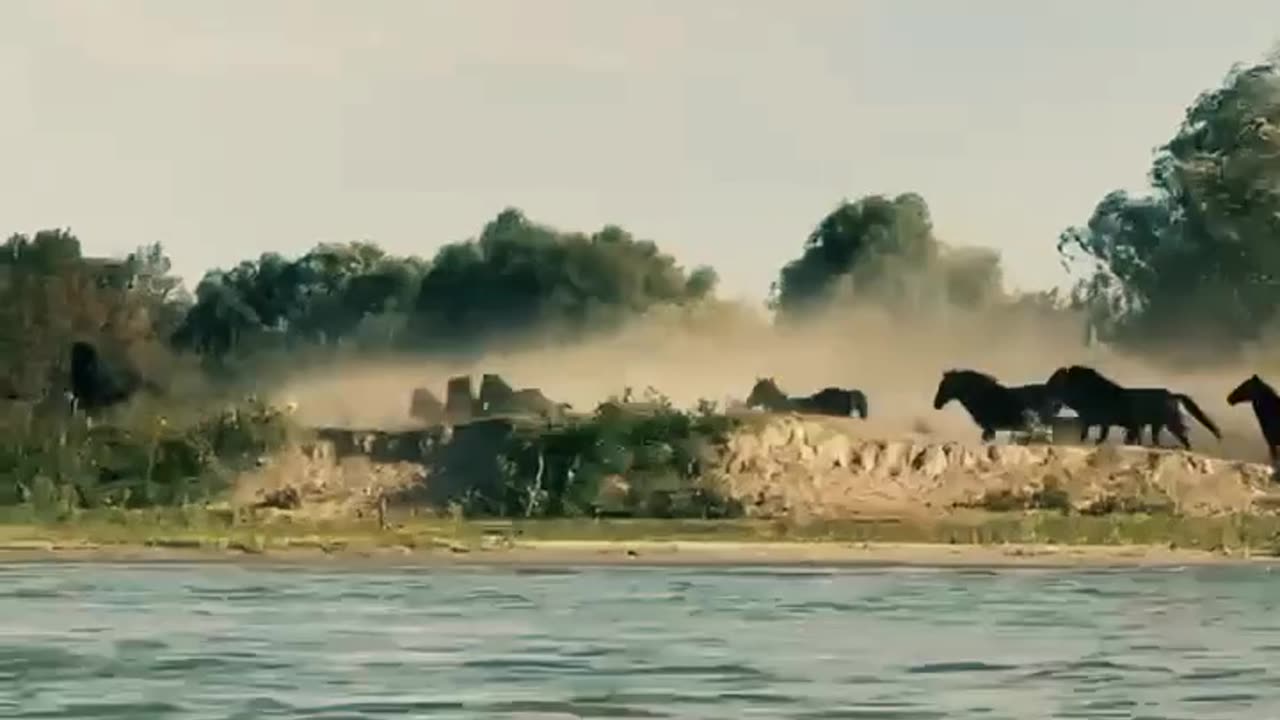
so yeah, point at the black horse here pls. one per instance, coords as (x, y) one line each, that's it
(497, 397)
(95, 385)
(827, 401)
(1102, 402)
(1266, 407)
(994, 406)
(425, 407)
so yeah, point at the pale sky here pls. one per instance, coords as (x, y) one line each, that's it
(722, 130)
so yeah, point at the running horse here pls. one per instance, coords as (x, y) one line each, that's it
(994, 406)
(1266, 408)
(1101, 402)
(95, 385)
(827, 401)
(496, 396)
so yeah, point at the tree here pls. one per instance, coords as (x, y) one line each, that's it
(1198, 252)
(321, 297)
(884, 250)
(519, 276)
(51, 295)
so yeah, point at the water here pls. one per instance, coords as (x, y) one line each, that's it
(213, 641)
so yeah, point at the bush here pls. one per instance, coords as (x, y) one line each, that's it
(58, 466)
(639, 461)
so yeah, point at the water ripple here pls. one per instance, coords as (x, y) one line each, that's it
(225, 642)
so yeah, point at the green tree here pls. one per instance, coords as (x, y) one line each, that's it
(321, 297)
(51, 295)
(884, 250)
(1197, 253)
(519, 276)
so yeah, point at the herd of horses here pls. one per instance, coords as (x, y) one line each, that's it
(496, 397)
(1098, 402)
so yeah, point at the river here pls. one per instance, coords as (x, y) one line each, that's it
(247, 642)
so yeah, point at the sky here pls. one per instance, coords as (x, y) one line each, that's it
(722, 130)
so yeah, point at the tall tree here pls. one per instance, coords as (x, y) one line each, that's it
(320, 297)
(1198, 252)
(520, 276)
(51, 295)
(883, 250)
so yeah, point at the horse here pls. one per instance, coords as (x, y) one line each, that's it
(425, 406)
(994, 406)
(1266, 407)
(496, 396)
(1102, 402)
(96, 386)
(459, 400)
(827, 401)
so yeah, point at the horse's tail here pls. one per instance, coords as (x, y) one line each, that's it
(860, 403)
(1197, 413)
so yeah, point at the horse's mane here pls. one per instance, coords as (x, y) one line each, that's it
(1265, 385)
(971, 375)
(495, 380)
(1084, 372)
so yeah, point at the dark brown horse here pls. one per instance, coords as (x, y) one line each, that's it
(497, 397)
(460, 404)
(994, 406)
(1101, 402)
(96, 385)
(1266, 407)
(425, 406)
(827, 401)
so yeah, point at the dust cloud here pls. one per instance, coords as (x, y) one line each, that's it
(717, 352)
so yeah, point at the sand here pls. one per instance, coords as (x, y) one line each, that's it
(571, 554)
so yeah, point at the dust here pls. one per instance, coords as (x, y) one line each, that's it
(717, 351)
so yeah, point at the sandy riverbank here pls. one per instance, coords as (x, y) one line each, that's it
(568, 554)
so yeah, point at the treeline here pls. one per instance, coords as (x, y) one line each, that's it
(1195, 257)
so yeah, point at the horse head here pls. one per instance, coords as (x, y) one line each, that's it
(764, 392)
(1246, 390)
(946, 389)
(956, 383)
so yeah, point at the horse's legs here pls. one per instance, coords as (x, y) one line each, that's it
(1133, 435)
(1180, 431)
(1106, 430)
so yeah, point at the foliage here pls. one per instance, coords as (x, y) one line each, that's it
(519, 276)
(516, 277)
(50, 295)
(643, 460)
(57, 465)
(884, 250)
(321, 297)
(1197, 253)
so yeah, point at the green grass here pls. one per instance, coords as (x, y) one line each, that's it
(213, 530)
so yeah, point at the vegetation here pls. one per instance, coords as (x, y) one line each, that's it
(1196, 255)
(619, 462)
(883, 250)
(206, 530)
(51, 467)
(1193, 257)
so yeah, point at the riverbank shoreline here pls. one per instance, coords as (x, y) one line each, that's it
(571, 554)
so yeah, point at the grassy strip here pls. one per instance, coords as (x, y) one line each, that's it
(203, 529)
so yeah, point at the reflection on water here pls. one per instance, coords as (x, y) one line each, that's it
(115, 641)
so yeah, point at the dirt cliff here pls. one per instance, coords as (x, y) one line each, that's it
(828, 468)
(782, 466)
